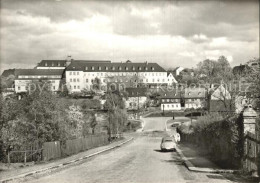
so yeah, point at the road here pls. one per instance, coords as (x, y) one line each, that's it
(139, 161)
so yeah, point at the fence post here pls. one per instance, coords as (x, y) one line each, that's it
(8, 158)
(24, 157)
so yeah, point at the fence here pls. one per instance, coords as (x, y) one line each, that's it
(56, 149)
(53, 150)
(251, 151)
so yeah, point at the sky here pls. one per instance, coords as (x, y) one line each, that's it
(171, 33)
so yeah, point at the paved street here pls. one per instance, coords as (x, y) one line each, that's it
(139, 161)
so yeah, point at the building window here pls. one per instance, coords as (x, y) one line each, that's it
(146, 68)
(77, 79)
(74, 80)
(46, 64)
(53, 87)
(92, 68)
(120, 68)
(139, 68)
(158, 80)
(52, 64)
(133, 68)
(70, 80)
(106, 68)
(126, 68)
(168, 100)
(87, 80)
(78, 87)
(77, 73)
(59, 64)
(101, 74)
(74, 73)
(152, 68)
(113, 68)
(74, 87)
(162, 80)
(153, 80)
(162, 100)
(86, 68)
(99, 68)
(172, 105)
(147, 80)
(70, 73)
(19, 88)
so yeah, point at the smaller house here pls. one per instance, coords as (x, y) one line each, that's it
(136, 98)
(170, 100)
(195, 98)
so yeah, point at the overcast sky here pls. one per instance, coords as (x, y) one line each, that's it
(171, 33)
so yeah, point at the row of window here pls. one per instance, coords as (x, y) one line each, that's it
(170, 100)
(118, 74)
(39, 76)
(121, 80)
(75, 87)
(26, 88)
(171, 105)
(119, 68)
(46, 64)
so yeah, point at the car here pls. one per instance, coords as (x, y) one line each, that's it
(176, 124)
(168, 144)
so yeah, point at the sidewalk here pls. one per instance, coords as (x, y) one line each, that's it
(42, 167)
(198, 161)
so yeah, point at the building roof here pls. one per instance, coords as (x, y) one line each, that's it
(8, 72)
(136, 92)
(114, 67)
(170, 94)
(62, 63)
(194, 93)
(38, 72)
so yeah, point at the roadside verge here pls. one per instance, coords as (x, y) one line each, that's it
(57, 165)
(192, 167)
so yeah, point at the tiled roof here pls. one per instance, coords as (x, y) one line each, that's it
(114, 67)
(170, 94)
(38, 72)
(195, 93)
(135, 92)
(62, 63)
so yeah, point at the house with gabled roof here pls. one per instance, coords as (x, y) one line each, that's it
(195, 98)
(170, 100)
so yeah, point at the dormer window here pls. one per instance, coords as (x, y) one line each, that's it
(189, 93)
(59, 64)
(152, 68)
(46, 64)
(146, 68)
(113, 68)
(126, 68)
(106, 68)
(133, 68)
(92, 68)
(120, 68)
(52, 64)
(165, 94)
(99, 68)
(139, 68)
(86, 68)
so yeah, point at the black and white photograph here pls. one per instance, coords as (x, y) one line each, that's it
(129, 91)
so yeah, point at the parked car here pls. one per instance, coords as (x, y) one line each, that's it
(176, 124)
(168, 143)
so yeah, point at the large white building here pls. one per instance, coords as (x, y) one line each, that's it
(25, 77)
(81, 74)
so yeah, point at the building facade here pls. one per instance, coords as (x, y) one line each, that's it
(195, 98)
(170, 100)
(25, 77)
(136, 98)
(82, 75)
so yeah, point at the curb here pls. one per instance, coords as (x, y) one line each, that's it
(65, 163)
(191, 167)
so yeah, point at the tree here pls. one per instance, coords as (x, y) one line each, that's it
(117, 114)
